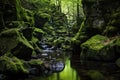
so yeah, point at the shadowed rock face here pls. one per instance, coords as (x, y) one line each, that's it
(7, 13)
(101, 15)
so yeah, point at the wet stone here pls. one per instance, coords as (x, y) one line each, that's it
(57, 66)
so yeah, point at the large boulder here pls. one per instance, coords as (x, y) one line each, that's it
(14, 41)
(99, 48)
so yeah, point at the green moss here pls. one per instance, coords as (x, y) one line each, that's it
(99, 48)
(37, 30)
(24, 14)
(66, 47)
(20, 65)
(9, 32)
(34, 40)
(43, 15)
(7, 64)
(22, 39)
(13, 65)
(37, 35)
(34, 53)
(61, 31)
(12, 40)
(76, 38)
(95, 43)
(36, 62)
(18, 8)
(58, 42)
(28, 16)
(8, 40)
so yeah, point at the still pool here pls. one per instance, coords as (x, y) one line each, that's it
(67, 74)
(90, 70)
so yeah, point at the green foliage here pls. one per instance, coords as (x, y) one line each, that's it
(69, 7)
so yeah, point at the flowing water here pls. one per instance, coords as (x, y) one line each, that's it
(70, 67)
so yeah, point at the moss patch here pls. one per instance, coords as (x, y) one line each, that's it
(96, 42)
(99, 48)
(12, 65)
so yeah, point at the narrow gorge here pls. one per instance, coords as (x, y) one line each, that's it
(59, 39)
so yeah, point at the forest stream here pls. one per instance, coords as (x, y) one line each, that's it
(59, 39)
(72, 68)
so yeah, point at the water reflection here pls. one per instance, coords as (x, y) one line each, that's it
(76, 69)
(67, 74)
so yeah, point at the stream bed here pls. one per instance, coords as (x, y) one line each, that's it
(76, 69)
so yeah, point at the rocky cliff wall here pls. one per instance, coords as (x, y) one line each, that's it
(102, 17)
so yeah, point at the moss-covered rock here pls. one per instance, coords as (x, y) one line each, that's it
(57, 42)
(41, 19)
(8, 40)
(14, 41)
(35, 62)
(12, 65)
(24, 14)
(98, 48)
(38, 33)
(18, 36)
(28, 33)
